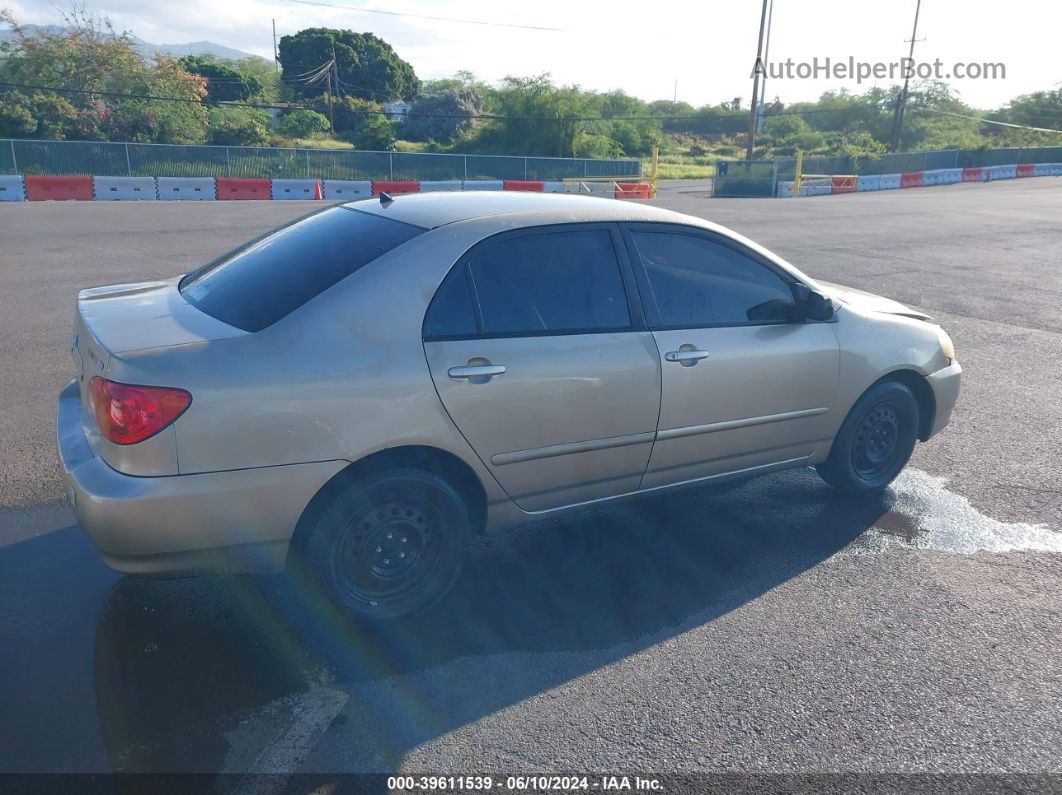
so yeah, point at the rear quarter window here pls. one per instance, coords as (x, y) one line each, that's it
(265, 280)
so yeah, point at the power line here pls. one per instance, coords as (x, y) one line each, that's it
(988, 121)
(427, 16)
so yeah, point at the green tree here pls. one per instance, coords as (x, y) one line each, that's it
(224, 83)
(544, 118)
(262, 70)
(89, 56)
(231, 126)
(443, 116)
(16, 118)
(785, 134)
(666, 107)
(634, 134)
(303, 123)
(375, 133)
(367, 67)
(363, 124)
(588, 144)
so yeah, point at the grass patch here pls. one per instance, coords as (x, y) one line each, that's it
(322, 143)
(671, 169)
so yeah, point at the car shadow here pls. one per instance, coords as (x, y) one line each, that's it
(183, 668)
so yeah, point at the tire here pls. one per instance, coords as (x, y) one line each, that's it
(388, 545)
(875, 441)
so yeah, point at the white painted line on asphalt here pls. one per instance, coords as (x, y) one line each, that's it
(929, 516)
(285, 730)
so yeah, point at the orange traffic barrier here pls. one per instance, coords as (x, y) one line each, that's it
(842, 184)
(912, 179)
(522, 184)
(392, 187)
(971, 174)
(1024, 170)
(633, 190)
(40, 188)
(234, 188)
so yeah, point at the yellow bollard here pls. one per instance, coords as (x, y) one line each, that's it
(656, 166)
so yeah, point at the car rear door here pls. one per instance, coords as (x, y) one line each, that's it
(543, 361)
(746, 384)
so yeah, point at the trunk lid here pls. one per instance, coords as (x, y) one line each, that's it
(143, 315)
(122, 319)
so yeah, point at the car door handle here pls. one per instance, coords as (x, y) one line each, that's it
(476, 371)
(685, 356)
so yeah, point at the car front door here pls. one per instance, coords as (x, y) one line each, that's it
(544, 363)
(746, 383)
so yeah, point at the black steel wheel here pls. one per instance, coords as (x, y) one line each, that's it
(389, 545)
(875, 441)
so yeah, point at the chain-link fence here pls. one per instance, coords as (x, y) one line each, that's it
(102, 158)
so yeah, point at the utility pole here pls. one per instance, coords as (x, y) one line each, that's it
(901, 101)
(335, 69)
(331, 92)
(766, 60)
(276, 56)
(756, 84)
(674, 97)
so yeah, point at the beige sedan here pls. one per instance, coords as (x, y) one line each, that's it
(358, 392)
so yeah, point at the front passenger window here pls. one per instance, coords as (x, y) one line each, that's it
(697, 282)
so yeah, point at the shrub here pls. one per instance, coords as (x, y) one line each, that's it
(237, 126)
(303, 124)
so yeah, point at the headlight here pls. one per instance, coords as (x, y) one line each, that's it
(947, 347)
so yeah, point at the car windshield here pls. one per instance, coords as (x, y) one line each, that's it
(265, 280)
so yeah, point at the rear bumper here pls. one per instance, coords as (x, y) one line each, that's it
(238, 520)
(945, 385)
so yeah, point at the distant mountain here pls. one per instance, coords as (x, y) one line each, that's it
(146, 48)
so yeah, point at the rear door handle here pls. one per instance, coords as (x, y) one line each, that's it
(476, 371)
(686, 356)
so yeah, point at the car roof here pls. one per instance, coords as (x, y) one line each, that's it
(527, 208)
(431, 210)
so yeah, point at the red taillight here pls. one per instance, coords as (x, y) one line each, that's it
(129, 414)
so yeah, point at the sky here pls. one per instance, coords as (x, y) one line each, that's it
(700, 52)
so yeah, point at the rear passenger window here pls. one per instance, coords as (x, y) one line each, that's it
(451, 314)
(552, 282)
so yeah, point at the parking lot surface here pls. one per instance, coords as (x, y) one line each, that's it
(769, 627)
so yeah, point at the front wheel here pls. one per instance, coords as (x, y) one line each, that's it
(389, 545)
(875, 441)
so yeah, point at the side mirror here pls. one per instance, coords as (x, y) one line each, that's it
(818, 306)
(813, 304)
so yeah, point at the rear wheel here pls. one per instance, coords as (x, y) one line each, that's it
(389, 545)
(875, 441)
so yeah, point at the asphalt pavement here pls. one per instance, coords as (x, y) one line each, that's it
(771, 627)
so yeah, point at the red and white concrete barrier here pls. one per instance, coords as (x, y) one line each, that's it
(349, 189)
(187, 188)
(819, 186)
(294, 189)
(432, 185)
(12, 188)
(124, 189)
(15, 187)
